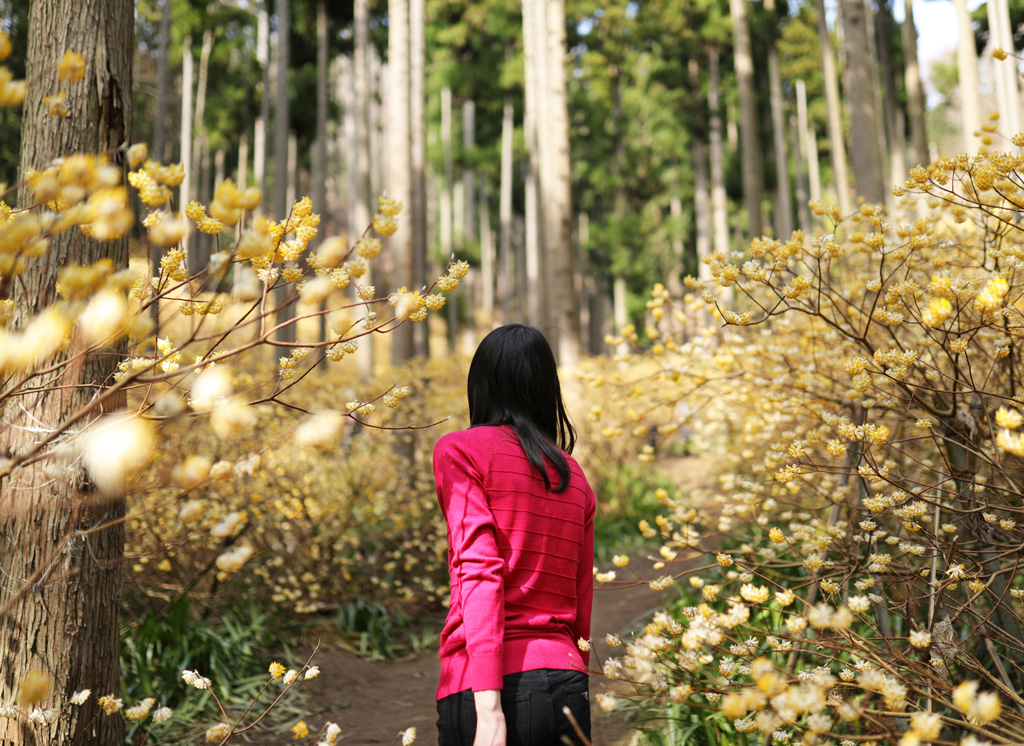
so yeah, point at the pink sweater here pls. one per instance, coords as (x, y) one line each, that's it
(521, 561)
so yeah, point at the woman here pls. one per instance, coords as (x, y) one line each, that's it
(520, 518)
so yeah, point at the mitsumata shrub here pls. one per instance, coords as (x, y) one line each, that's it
(863, 398)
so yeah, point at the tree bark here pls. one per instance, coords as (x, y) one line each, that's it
(912, 83)
(319, 164)
(1005, 71)
(486, 254)
(418, 129)
(399, 160)
(185, 190)
(505, 280)
(719, 206)
(162, 82)
(556, 196)
(535, 54)
(967, 63)
(750, 145)
(64, 546)
(701, 182)
(469, 233)
(259, 158)
(866, 155)
(893, 129)
(837, 150)
(783, 211)
(283, 296)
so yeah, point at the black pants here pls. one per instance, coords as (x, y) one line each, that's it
(532, 702)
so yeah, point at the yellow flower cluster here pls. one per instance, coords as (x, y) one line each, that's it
(197, 214)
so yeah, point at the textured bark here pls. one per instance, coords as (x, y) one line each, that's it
(418, 162)
(967, 63)
(750, 141)
(259, 157)
(719, 206)
(185, 145)
(701, 185)
(505, 279)
(894, 125)
(61, 587)
(162, 82)
(835, 121)
(865, 152)
(282, 182)
(556, 198)
(783, 211)
(535, 54)
(912, 83)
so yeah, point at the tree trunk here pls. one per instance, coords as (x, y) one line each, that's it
(967, 63)
(808, 143)
(468, 174)
(835, 120)
(64, 546)
(400, 158)
(912, 83)
(505, 280)
(701, 182)
(750, 141)
(162, 83)
(1005, 71)
(893, 124)
(556, 197)
(783, 211)
(445, 201)
(418, 128)
(535, 54)
(242, 175)
(719, 206)
(803, 213)
(185, 190)
(486, 254)
(866, 154)
(259, 158)
(285, 309)
(319, 159)
(361, 154)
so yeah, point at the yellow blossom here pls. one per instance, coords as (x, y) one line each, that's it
(71, 67)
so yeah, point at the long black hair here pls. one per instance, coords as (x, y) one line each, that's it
(513, 380)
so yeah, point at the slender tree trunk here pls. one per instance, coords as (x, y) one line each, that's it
(468, 174)
(967, 63)
(800, 170)
(1005, 71)
(701, 181)
(486, 255)
(362, 156)
(866, 155)
(400, 157)
(808, 143)
(719, 205)
(535, 54)
(242, 175)
(893, 124)
(835, 121)
(556, 197)
(162, 83)
(505, 279)
(750, 141)
(319, 155)
(282, 182)
(259, 159)
(912, 83)
(445, 201)
(783, 211)
(185, 190)
(418, 129)
(63, 544)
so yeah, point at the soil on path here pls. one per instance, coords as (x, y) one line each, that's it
(373, 701)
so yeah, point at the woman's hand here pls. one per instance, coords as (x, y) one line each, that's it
(490, 720)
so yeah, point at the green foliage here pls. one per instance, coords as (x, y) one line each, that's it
(165, 639)
(378, 632)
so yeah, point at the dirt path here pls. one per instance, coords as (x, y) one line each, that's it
(373, 701)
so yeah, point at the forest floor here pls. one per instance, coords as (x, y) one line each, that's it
(373, 701)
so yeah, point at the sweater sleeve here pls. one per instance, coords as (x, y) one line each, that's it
(585, 581)
(476, 565)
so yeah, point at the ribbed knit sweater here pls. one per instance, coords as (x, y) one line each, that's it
(520, 558)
